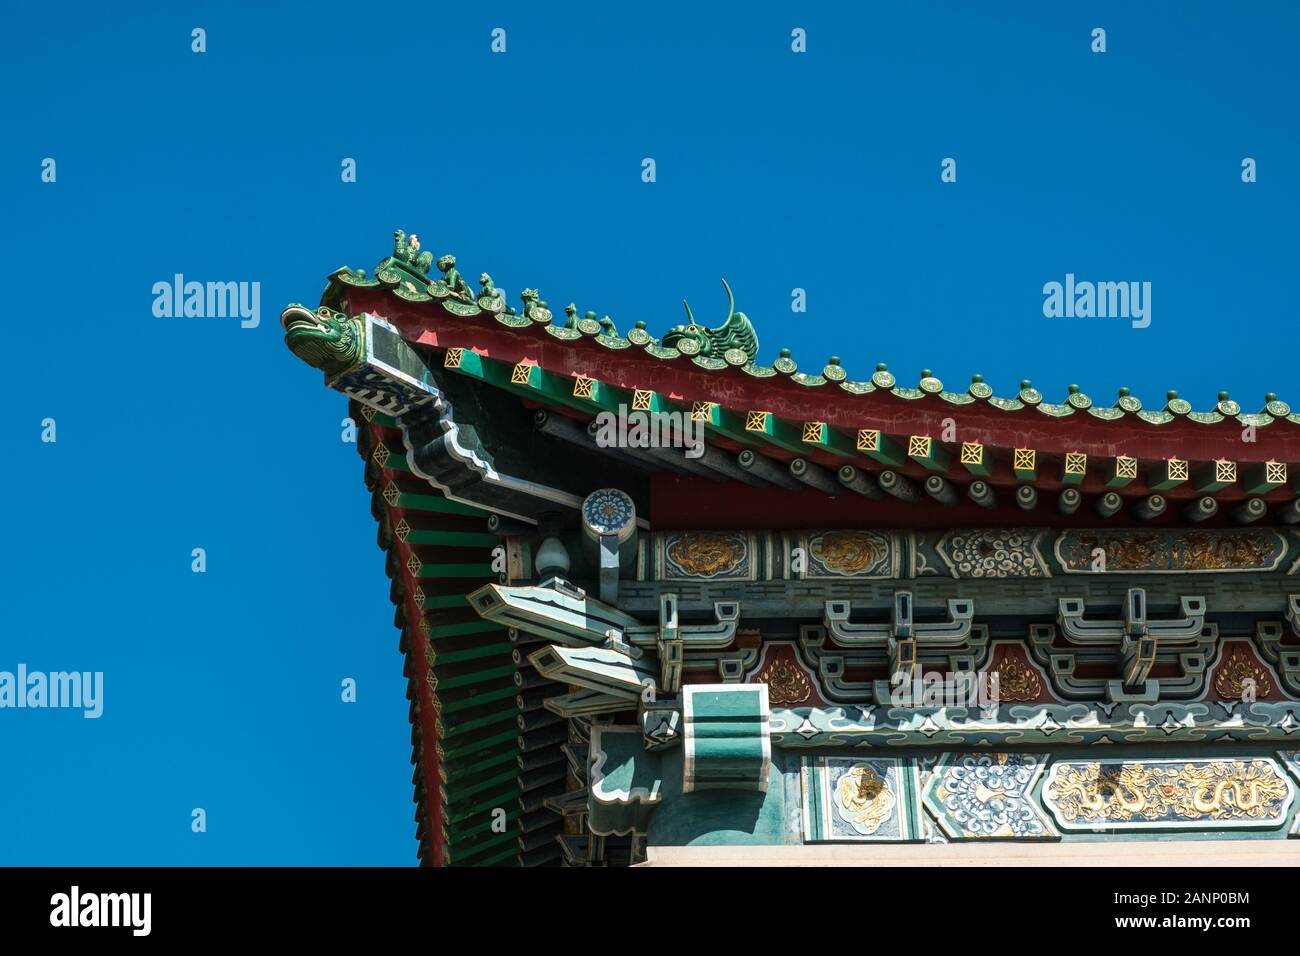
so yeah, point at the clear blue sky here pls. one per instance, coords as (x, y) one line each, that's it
(777, 170)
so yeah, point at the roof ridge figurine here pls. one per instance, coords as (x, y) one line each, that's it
(737, 332)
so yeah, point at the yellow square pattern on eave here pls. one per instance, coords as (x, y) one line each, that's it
(702, 411)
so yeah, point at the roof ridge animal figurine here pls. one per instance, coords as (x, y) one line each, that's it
(737, 332)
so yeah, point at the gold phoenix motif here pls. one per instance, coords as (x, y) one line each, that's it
(1231, 680)
(865, 798)
(848, 552)
(1129, 552)
(786, 683)
(1217, 790)
(1017, 680)
(707, 553)
(1189, 551)
(1211, 552)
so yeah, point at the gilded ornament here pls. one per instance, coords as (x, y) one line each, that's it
(864, 798)
(707, 553)
(1167, 791)
(1017, 680)
(848, 552)
(1209, 551)
(786, 683)
(1240, 678)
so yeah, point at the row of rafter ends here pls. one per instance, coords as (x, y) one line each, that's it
(833, 373)
(761, 427)
(1071, 468)
(1025, 464)
(544, 765)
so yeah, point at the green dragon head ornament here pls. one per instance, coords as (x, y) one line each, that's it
(736, 333)
(324, 339)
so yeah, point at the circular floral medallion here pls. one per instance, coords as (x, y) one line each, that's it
(608, 511)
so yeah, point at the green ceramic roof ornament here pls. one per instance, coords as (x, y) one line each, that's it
(454, 281)
(324, 339)
(534, 307)
(736, 333)
(490, 298)
(407, 251)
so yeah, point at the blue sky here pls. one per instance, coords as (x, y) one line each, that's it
(777, 170)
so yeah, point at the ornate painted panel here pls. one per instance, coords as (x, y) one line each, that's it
(993, 553)
(1196, 794)
(1172, 552)
(706, 555)
(988, 796)
(848, 799)
(845, 554)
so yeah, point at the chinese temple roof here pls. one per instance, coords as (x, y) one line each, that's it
(478, 425)
(734, 348)
(910, 440)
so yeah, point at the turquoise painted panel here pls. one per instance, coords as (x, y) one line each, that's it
(850, 799)
(727, 739)
(627, 783)
(722, 817)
